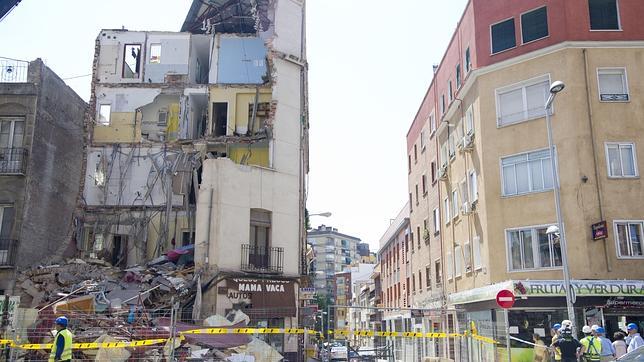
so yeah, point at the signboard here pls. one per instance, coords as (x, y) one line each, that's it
(580, 288)
(307, 293)
(267, 296)
(505, 299)
(600, 230)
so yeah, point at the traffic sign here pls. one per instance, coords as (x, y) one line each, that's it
(505, 299)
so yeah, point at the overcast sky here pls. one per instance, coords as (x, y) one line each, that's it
(370, 64)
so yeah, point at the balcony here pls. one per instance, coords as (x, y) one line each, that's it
(8, 249)
(257, 259)
(13, 71)
(13, 161)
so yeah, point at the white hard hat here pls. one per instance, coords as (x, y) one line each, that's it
(594, 327)
(566, 323)
(586, 329)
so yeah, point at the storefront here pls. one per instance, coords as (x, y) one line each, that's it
(540, 304)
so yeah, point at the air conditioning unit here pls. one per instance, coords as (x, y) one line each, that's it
(468, 142)
(466, 208)
(442, 172)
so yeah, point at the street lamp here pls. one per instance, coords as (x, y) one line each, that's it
(555, 88)
(323, 214)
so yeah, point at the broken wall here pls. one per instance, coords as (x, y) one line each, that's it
(238, 59)
(239, 100)
(160, 119)
(124, 124)
(235, 189)
(174, 58)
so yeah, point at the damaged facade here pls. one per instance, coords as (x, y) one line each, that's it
(198, 139)
(41, 147)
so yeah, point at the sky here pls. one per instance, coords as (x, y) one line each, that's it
(370, 63)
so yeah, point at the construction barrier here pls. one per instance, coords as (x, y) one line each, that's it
(150, 342)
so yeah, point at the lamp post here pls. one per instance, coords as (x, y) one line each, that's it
(323, 214)
(555, 88)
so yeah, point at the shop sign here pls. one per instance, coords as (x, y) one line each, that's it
(581, 288)
(600, 230)
(621, 303)
(264, 294)
(307, 293)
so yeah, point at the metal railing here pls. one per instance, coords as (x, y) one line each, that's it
(261, 259)
(8, 249)
(13, 161)
(13, 71)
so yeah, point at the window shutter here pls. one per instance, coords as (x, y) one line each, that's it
(511, 106)
(478, 261)
(611, 83)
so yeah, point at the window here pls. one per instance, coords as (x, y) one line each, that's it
(438, 272)
(420, 281)
(433, 170)
(409, 163)
(458, 76)
(155, 53)
(428, 277)
(415, 153)
(458, 261)
(131, 60)
(6, 224)
(442, 104)
(503, 37)
(220, 118)
(432, 123)
(604, 15)
(628, 236)
(474, 189)
(526, 173)
(418, 236)
(437, 224)
(162, 119)
(450, 91)
(411, 209)
(424, 183)
(621, 160)
(532, 248)
(465, 194)
(447, 216)
(534, 25)
(413, 283)
(104, 114)
(468, 61)
(522, 102)
(467, 256)
(455, 203)
(417, 199)
(422, 141)
(478, 259)
(469, 121)
(613, 86)
(12, 134)
(450, 265)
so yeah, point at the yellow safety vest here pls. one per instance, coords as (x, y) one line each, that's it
(67, 351)
(593, 348)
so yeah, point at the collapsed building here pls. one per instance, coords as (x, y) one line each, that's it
(200, 138)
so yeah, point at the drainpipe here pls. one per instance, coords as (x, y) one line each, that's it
(595, 161)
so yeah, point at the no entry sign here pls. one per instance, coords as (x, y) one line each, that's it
(505, 299)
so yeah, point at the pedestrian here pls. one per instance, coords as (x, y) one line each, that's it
(634, 340)
(568, 345)
(61, 349)
(591, 346)
(540, 349)
(619, 345)
(554, 333)
(608, 351)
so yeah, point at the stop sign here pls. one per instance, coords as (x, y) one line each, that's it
(505, 299)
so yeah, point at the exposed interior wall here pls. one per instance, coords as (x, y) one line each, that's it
(151, 129)
(112, 52)
(238, 99)
(125, 123)
(174, 59)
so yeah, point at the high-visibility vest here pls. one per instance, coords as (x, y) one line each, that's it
(592, 347)
(67, 350)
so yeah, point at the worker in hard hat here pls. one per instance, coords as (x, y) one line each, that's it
(591, 346)
(61, 349)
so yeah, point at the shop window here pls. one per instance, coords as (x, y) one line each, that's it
(131, 61)
(534, 25)
(604, 14)
(532, 248)
(503, 37)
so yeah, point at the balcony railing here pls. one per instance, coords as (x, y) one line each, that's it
(13, 161)
(8, 248)
(258, 259)
(13, 71)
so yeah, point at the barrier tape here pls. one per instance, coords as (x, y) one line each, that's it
(216, 331)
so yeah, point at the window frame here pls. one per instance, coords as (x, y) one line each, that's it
(458, 259)
(477, 246)
(492, 52)
(468, 59)
(455, 204)
(437, 220)
(535, 249)
(459, 76)
(450, 265)
(619, 19)
(523, 42)
(98, 115)
(423, 143)
(450, 91)
(473, 191)
(152, 46)
(12, 133)
(619, 144)
(432, 124)
(630, 247)
(555, 179)
(520, 85)
(446, 204)
(124, 63)
(624, 80)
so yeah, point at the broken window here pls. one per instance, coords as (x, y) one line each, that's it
(220, 118)
(104, 113)
(162, 119)
(155, 53)
(131, 60)
(261, 115)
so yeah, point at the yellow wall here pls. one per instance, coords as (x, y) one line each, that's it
(257, 153)
(121, 128)
(238, 100)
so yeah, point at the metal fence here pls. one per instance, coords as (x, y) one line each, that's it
(13, 160)
(13, 71)
(260, 259)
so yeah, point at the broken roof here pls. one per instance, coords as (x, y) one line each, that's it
(227, 16)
